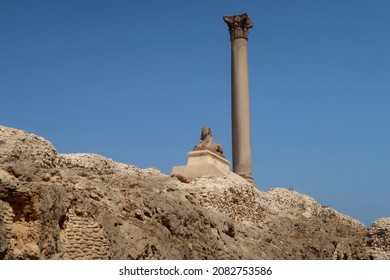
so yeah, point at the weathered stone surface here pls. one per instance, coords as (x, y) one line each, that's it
(83, 206)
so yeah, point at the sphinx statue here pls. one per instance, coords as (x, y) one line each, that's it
(207, 143)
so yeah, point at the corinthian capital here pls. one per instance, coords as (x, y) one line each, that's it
(238, 25)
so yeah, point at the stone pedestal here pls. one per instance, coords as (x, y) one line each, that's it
(202, 163)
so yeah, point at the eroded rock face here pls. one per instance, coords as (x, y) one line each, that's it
(83, 206)
(378, 239)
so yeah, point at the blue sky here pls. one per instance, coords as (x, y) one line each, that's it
(136, 81)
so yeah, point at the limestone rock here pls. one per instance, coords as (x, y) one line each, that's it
(83, 206)
(378, 239)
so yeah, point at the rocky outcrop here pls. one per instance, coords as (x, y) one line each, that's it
(84, 206)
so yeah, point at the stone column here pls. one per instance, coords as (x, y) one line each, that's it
(241, 139)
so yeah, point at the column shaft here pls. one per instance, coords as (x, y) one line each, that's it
(241, 140)
(241, 133)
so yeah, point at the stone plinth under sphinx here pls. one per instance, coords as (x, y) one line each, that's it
(202, 163)
(206, 159)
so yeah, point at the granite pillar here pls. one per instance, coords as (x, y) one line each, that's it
(241, 137)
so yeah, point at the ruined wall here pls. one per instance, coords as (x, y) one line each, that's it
(83, 237)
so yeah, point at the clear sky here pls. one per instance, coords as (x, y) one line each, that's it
(136, 81)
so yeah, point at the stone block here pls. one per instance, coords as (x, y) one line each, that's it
(202, 163)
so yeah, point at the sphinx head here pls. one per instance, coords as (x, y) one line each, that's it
(205, 132)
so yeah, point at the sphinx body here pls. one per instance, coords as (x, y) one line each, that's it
(207, 143)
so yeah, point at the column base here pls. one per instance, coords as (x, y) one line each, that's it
(248, 178)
